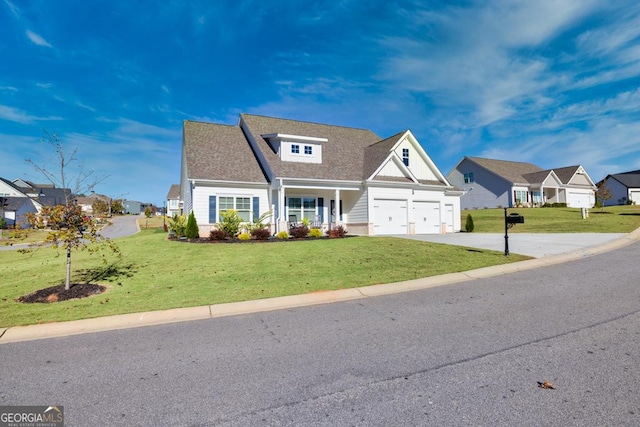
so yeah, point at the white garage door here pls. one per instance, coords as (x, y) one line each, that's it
(579, 200)
(427, 217)
(390, 216)
(634, 196)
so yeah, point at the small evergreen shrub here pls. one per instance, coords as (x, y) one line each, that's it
(244, 236)
(192, 231)
(261, 233)
(283, 235)
(300, 231)
(315, 232)
(217, 234)
(468, 226)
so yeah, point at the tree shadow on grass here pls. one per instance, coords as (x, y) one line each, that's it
(111, 272)
(631, 214)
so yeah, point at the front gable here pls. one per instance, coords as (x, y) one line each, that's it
(551, 180)
(581, 178)
(407, 159)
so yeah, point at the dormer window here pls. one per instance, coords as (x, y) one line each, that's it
(405, 156)
(296, 148)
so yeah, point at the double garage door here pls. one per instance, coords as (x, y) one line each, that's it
(392, 217)
(579, 200)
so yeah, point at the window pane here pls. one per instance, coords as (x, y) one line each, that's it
(295, 203)
(295, 148)
(243, 203)
(226, 203)
(308, 149)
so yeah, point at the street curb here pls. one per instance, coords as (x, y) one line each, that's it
(134, 320)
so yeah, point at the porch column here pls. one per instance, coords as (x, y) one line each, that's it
(557, 197)
(282, 224)
(336, 206)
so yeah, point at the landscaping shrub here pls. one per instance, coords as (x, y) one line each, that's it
(315, 232)
(300, 231)
(283, 235)
(261, 233)
(230, 222)
(244, 236)
(554, 205)
(217, 234)
(192, 231)
(468, 226)
(339, 231)
(178, 224)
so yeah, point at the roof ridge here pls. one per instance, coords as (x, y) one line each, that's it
(304, 121)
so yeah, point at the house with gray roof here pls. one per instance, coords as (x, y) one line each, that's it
(623, 187)
(330, 175)
(173, 200)
(490, 183)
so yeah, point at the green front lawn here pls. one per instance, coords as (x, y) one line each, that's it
(614, 219)
(156, 274)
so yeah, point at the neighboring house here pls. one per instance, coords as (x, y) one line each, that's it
(490, 183)
(86, 202)
(132, 207)
(173, 200)
(15, 210)
(15, 204)
(624, 188)
(330, 175)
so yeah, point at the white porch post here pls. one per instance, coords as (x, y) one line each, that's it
(282, 221)
(336, 205)
(557, 196)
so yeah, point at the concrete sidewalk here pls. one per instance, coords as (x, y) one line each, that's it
(133, 320)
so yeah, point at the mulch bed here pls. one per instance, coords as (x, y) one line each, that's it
(58, 293)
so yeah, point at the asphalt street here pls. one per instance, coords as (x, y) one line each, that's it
(472, 353)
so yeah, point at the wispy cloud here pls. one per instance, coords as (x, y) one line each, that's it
(37, 39)
(13, 8)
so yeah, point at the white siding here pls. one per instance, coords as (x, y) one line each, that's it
(417, 165)
(359, 213)
(391, 169)
(201, 199)
(287, 156)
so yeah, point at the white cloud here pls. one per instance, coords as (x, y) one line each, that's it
(37, 39)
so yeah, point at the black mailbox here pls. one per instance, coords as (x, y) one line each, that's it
(514, 218)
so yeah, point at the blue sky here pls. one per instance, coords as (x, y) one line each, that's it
(552, 82)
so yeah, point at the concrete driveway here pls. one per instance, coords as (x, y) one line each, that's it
(530, 244)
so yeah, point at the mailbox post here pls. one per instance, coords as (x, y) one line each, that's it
(509, 221)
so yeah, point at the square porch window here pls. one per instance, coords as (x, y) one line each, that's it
(295, 148)
(308, 150)
(301, 207)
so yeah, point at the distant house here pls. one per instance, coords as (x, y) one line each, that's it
(624, 188)
(329, 175)
(132, 207)
(173, 200)
(86, 202)
(490, 183)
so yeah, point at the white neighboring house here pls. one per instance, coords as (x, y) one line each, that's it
(21, 197)
(624, 188)
(330, 175)
(173, 200)
(490, 183)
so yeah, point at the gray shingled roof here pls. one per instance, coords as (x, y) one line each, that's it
(536, 177)
(565, 174)
(376, 153)
(343, 155)
(511, 171)
(629, 179)
(220, 153)
(174, 192)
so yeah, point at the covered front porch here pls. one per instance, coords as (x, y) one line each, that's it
(322, 206)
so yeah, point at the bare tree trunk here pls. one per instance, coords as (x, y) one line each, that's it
(67, 283)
